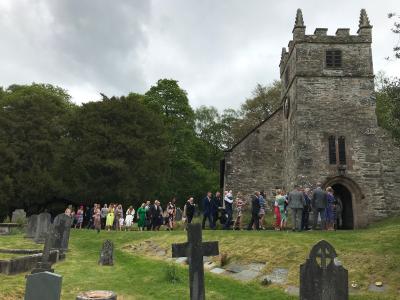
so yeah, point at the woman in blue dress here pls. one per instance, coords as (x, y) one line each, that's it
(329, 211)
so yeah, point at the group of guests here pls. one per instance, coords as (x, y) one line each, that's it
(113, 217)
(151, 216)
(325, 208)
(322, 203)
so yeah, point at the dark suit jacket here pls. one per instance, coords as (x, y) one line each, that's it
(255, 205)
(319, 198)
(208, 207)
(296, 199)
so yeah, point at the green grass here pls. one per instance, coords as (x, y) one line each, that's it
(369, 255)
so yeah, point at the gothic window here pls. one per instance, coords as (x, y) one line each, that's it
(342, 150)
(333, 58)
(332, 150)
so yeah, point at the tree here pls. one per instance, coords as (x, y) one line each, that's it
(117, 152)
(194, 162)
(396, 30)
(388, 106)
(31, 127)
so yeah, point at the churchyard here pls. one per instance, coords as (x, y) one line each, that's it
(250, 265)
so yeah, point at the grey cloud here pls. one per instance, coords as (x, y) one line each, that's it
(217, 50)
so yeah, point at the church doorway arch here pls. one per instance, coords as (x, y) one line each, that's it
(349, 194)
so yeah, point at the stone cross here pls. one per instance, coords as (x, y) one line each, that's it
(45, 264)
(194, 249)
(322, 276)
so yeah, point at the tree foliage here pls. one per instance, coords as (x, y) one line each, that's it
(31, 126)
(388, 105)
(396, 30)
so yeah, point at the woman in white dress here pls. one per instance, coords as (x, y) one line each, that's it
(129, 218)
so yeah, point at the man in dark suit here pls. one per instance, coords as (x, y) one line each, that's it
(296, 202)
(156, 215)
(217, 205)
(319, 203)
(208, 211)
(255, 209)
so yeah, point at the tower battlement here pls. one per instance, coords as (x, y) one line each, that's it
(320, 36)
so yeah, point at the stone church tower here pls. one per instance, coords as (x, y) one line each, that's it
(326, 129)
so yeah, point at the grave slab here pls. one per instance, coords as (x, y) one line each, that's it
(43, 286)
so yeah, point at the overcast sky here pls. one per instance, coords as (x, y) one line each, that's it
(217, 50)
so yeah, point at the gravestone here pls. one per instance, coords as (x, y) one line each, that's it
(43, 226)
(18, 216)
(107, 254)
(32, 225)
(178, 214)
(194, 250)
(321, 277)
(45, 265)
(43, 286)
(62, 227)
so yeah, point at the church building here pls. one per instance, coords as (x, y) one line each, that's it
(325, 129)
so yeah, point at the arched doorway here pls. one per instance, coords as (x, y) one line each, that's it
(344, 207)
(351, 197)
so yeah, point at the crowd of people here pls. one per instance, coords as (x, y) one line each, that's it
(226, 209)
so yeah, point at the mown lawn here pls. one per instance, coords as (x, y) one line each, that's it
(369, 255)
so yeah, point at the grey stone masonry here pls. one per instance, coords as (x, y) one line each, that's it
(325, 130)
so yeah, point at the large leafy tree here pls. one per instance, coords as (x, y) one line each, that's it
(191, 171)
(32, 122)
(264, 101)
(117, 152)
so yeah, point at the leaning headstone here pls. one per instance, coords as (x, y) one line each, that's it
(178, 214)
(43, 226)
(107, 254)
(62, 226)
(45, 285)
(194, 250)
(44, 265)
(98, 295)
(32, 225)
(322, 277)
(18, 216)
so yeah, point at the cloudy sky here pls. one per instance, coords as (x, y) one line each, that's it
(218, 50)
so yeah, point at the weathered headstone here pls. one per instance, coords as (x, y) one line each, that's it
(194, 250)
(178, 214)
(18, 216)
(107, 254)
(32, 225)
(45, 285)
(321, 277)
(62, 226)
(45, 264)
(43, 226)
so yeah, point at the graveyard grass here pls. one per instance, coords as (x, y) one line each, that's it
(370, 254)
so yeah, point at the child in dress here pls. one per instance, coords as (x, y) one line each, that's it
(237, 225)
(129, 218)
(121, 223)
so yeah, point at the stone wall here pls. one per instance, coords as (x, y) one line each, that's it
(389, 153)
(255, 163)
(318, 102)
